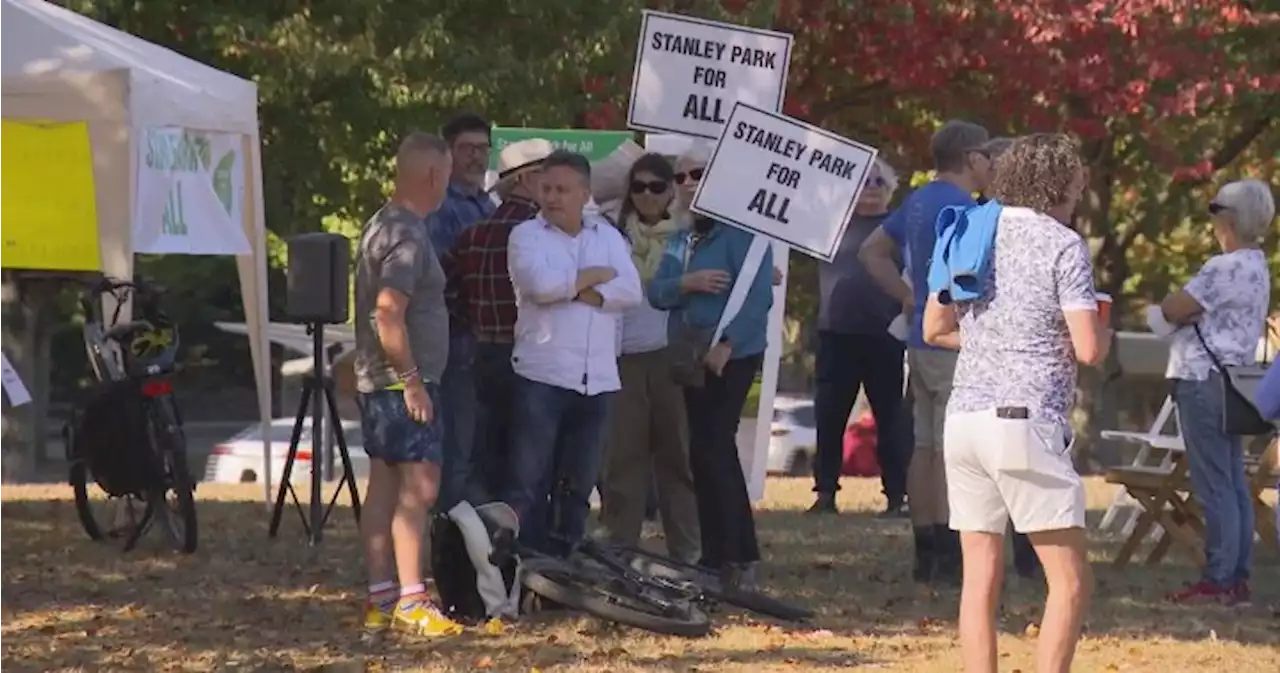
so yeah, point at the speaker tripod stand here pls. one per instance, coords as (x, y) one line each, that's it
(318, 394)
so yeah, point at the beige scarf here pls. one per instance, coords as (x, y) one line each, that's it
(648, 243)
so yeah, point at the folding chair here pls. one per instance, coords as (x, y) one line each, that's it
(1156, 445)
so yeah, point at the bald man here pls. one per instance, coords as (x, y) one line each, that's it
(402, 345)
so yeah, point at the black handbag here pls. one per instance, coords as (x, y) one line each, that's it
(1239, 415)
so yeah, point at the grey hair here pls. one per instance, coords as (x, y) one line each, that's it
(417, 144)
(1250, 207)
(698, 153)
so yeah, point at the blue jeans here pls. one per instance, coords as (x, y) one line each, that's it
(457, 390)
(557, 441)
(1217, 479)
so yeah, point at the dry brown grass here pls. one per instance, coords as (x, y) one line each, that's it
(248, 603)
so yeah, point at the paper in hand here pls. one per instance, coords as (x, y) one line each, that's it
(14, 388)
(1157, 323)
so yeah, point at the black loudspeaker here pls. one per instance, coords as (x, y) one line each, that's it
(318, 278)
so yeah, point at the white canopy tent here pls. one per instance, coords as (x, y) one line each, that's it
(63, 67)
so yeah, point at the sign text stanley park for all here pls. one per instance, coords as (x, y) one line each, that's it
(785, 179)
(689, 73)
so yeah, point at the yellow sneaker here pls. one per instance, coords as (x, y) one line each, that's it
(421, 618)
(376, 618)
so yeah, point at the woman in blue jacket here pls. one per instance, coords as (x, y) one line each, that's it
(693, 281)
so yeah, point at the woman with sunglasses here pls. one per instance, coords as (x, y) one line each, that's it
(1221, 314)
(694, 281)
(648, 431)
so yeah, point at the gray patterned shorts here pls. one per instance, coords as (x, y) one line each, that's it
(392, 436)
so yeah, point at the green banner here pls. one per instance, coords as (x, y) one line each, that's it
(594, 145)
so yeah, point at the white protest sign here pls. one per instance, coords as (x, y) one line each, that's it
(785, 179)
(190, 197)
(14, 388)
(689, 72)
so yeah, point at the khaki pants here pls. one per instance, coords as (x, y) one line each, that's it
(930, 383)
(648, 437)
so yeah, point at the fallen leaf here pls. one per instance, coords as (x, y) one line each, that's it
(1032, 630)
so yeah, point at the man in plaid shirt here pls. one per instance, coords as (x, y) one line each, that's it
(479, 294)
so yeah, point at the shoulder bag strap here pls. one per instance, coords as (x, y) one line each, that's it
(1205, 345)
(742, 284)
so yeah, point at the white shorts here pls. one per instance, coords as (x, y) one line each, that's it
(1000, 469)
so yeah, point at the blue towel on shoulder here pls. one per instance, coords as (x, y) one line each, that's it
(961, 263)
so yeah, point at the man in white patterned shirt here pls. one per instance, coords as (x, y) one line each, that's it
(1007, 440)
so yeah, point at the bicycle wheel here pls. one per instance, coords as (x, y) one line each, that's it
(117, 527)
(600, 593)
(179, 516)
(756, 601)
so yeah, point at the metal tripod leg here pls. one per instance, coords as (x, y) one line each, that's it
(348, 472)
(286, 484)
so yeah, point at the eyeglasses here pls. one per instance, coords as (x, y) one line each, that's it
(1217, 208)
(694, 175)
(654, 186)
(877, 181)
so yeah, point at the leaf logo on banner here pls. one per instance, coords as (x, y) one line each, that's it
(222, 180)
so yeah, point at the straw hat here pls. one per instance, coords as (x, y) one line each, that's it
(521, 154)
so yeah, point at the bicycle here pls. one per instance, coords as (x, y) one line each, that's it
(712, 586)
(593, 580)
(133, 362)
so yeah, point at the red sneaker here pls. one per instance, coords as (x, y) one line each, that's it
(1201, 592)
(1239, 595)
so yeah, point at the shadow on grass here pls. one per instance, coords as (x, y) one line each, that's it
(245, 601)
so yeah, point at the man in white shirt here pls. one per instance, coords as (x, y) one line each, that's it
(573, 276)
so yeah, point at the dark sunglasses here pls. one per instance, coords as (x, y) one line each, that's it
(694, 175)
(654, 186)
(1216, 208)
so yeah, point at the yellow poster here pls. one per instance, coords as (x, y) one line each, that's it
(48, 207)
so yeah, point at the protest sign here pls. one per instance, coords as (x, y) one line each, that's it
(785, 179)
(50, 200)
(190, 193)
(592, 144)
(690, 71)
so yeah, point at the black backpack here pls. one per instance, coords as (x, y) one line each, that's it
(110, 435)
(453, 567)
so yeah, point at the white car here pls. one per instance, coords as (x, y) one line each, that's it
(793, 437)
(238, 460)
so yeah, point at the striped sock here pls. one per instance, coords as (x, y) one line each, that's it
(384, 594)
(412, 593)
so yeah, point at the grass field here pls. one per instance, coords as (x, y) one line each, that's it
(247, 603)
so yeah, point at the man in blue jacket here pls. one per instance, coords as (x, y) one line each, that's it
(963, 166)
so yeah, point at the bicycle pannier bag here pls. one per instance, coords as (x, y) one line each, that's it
(474, 584)
(111, 437)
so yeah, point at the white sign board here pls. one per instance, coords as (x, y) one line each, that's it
(689, 72)
(13, 387)
(785, 179)
(190, 197)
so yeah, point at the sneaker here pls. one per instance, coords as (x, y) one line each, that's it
(1201, 592)
(740, 577)
(420, 617)
(1239, 595)
(825, 504)
(376, 617)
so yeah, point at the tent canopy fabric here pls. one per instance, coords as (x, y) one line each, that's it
(165, 88)
(60, 66)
